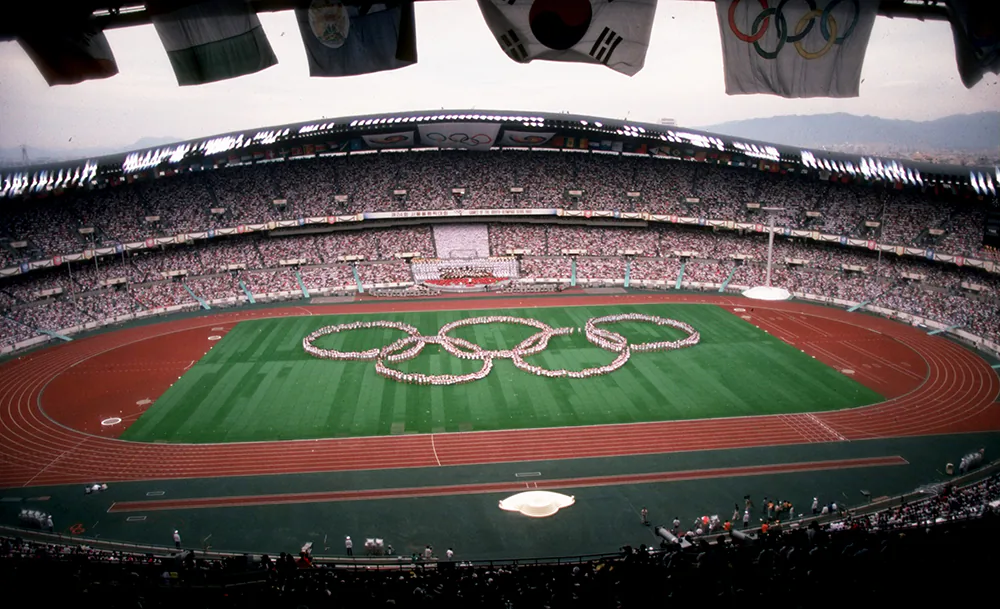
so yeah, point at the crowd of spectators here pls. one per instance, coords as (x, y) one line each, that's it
(871, 556)
(214, 287)
(385, 272)
(166, 293)
(109, 287)
(600, 268)
(546, 268)
(51, 314)
(324, 278)
(202, 200)
(269, 282)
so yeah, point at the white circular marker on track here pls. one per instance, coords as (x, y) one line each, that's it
(537, 504)
(111, 421)
(215, 337)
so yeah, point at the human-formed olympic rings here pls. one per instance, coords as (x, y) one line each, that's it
(411, 345)
(460, 138)
(827, 24)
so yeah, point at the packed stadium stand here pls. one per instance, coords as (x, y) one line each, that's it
(208, 264)
(845, 556)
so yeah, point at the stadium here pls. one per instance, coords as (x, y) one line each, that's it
(155, 312)
(495, 357)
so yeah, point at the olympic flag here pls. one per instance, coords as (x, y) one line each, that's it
(614, 33)
(471, 136)
(811, 48)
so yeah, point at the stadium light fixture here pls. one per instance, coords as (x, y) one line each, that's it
(989, 184)
(973, 182)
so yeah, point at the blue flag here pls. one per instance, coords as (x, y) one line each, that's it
(350, 40)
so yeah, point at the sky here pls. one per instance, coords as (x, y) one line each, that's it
(909, 73)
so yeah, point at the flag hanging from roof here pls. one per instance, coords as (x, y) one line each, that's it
(975, 26)
(68, 57)
(347, 41)
(796, 49)
(614, 33)
(212, 40)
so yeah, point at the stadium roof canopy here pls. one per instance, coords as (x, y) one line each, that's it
(106, 14)
(474, 131)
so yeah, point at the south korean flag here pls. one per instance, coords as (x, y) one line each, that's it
(614, 33)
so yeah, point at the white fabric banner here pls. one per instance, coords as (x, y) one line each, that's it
(390, 140)
(524, 138)
(471, 136)
(811, 48)
(612, 33)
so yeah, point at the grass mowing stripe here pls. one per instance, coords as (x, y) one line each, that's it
(257, 383)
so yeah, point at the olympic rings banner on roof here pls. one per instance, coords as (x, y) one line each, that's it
(471, 136)
(805, 48)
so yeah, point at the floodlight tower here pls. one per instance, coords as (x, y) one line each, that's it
(772, 213)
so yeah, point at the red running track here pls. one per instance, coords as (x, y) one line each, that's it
(954, 390)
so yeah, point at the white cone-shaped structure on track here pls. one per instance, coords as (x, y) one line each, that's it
(763, 292)
(537, 504)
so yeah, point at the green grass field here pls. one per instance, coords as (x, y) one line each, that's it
(258, 384)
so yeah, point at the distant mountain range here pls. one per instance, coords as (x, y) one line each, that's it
(12, 156)
(959, 132)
